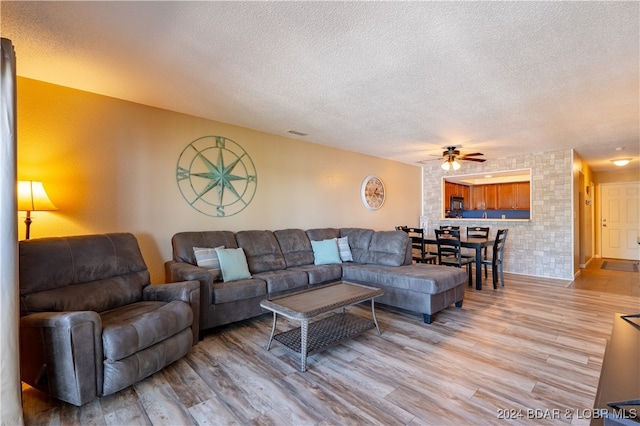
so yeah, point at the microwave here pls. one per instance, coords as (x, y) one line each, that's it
(456, 203)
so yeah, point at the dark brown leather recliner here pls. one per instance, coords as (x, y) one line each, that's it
(91, 324)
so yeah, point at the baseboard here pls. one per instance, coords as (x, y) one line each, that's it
(560, 281)
(585, 265)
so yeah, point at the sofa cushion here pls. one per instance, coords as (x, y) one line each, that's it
(321, 274)
(224, 292)
(387, 248)
(319, 234)
(295, 246)
(419, 277)
(124, 372)
(134, 327)
(233, 264)
(98, 296)
(51, 263)
(359, 240)
(283, 280)
(325, 252)
(262, 251)
(184, 242)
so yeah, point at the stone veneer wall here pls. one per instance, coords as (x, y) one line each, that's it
(542, 246)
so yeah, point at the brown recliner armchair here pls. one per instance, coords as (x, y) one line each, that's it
(91, 324)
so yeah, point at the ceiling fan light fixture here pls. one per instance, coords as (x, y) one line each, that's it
(450, 163)
(621, 161)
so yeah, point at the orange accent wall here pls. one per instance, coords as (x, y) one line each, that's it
(109, 166)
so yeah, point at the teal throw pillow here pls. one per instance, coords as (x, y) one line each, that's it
(325, 252)
(233, 263)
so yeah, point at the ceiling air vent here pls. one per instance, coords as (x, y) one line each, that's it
(295, 132)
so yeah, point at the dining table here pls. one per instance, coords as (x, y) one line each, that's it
(476, 243)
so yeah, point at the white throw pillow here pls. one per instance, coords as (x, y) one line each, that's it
(344, 249)
(208, 258)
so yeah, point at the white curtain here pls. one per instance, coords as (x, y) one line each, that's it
(10, 387)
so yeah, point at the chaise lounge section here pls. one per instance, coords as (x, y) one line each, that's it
(284, 261)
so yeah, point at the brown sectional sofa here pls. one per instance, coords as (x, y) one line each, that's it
(282, 261)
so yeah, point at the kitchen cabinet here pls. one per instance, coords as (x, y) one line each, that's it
(514, 196)
(507, 196)
(456, 190)
(523, 195)
(491, 196)
(449, 190)
(477, 197)
(484, 197)
(496, 193)
(500, 196)
(466, 193)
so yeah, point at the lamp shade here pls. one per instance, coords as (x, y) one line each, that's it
(32, 197)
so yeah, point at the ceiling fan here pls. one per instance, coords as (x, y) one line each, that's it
(452, 155)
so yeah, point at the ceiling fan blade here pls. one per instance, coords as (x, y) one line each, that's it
(453, 153)
(428, 160)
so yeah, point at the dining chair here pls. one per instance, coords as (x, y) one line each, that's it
(418, 246)
(497, 257)
(449, 250)
(478, 232)
(445, 227)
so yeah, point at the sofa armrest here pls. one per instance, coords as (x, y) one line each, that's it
(186, 291)
(61, 354)
(182, 271)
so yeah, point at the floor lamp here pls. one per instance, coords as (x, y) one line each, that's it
(32, 198)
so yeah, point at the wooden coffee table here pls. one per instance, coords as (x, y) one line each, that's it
(311, 337)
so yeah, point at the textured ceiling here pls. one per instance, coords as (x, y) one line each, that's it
(397, 80)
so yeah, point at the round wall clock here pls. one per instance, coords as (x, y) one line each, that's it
(216, 176)
(372, 192)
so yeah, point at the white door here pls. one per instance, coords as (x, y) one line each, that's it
(620, 214)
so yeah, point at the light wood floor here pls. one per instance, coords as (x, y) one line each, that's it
(536, 344)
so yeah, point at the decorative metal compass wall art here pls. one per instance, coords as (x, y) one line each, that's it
(216, 176)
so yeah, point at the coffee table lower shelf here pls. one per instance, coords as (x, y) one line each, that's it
(325, 333)
(307, 304)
